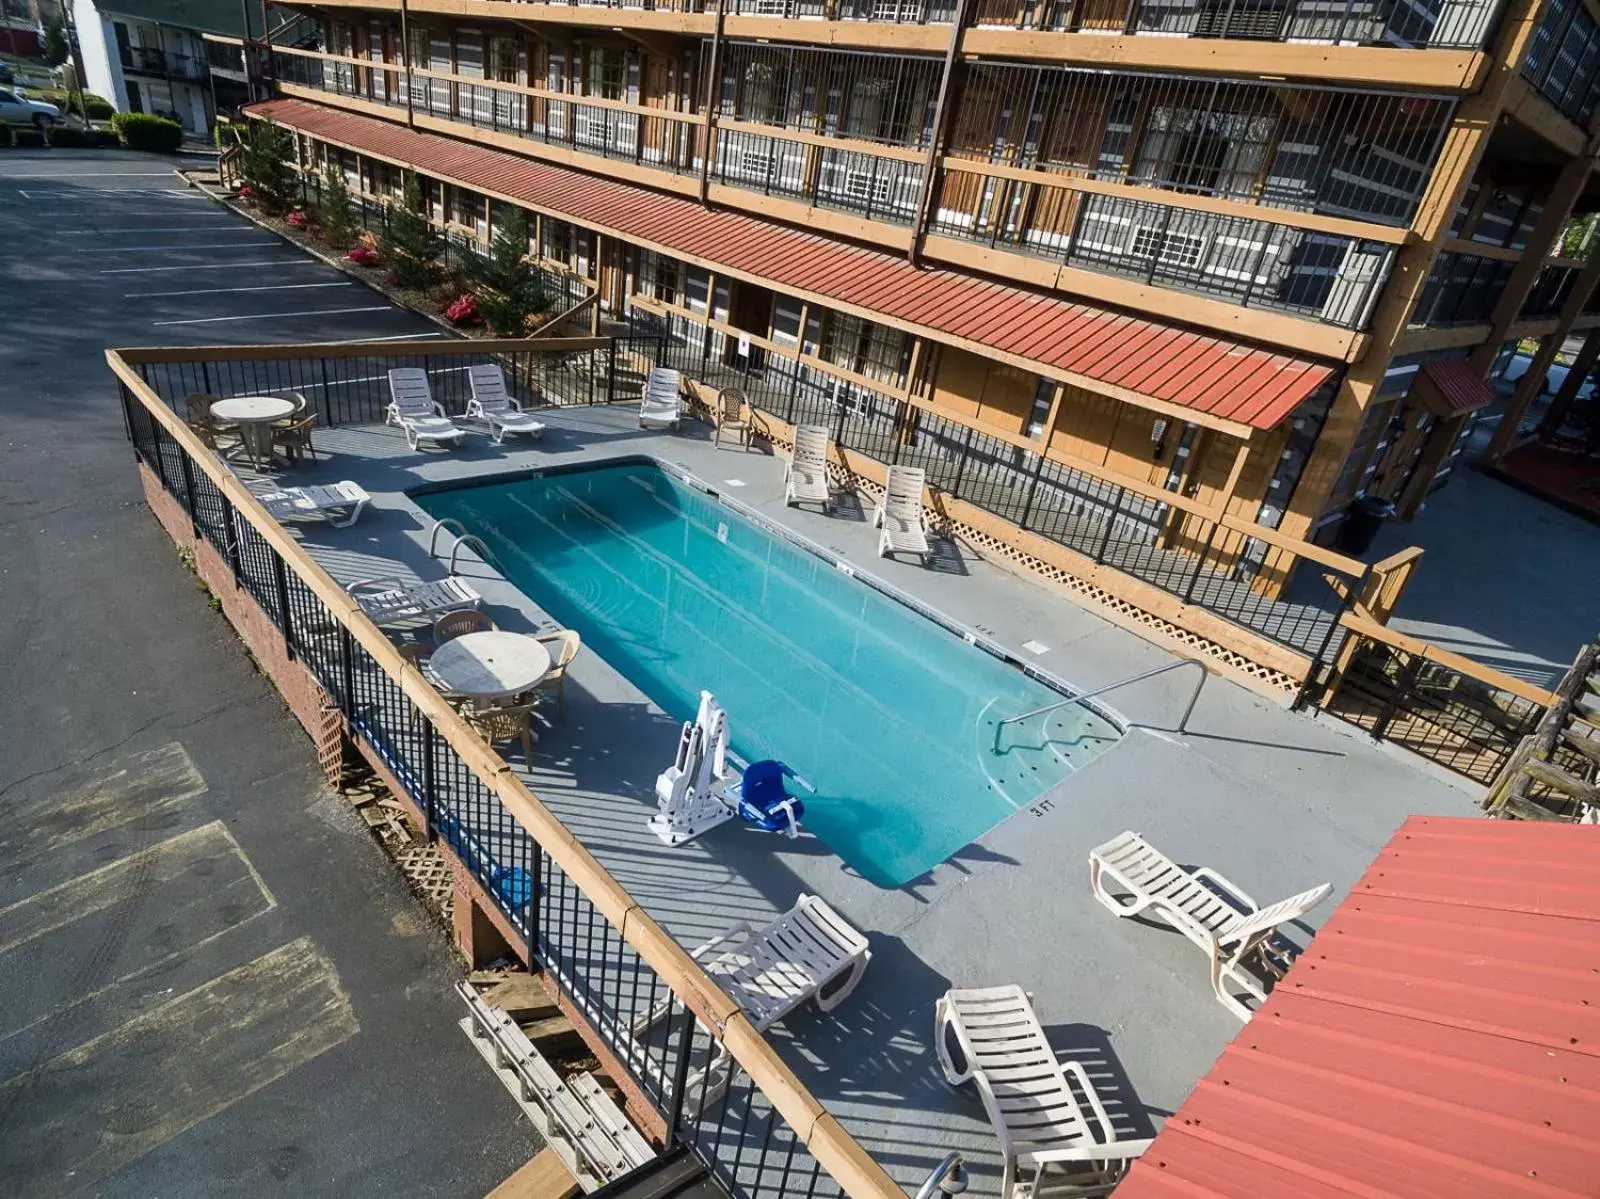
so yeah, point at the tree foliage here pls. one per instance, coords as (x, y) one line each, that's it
(337, 229)
(409, 245)
(508, 287)
(56, 47)
(266, 168)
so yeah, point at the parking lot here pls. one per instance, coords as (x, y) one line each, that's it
(211, 979)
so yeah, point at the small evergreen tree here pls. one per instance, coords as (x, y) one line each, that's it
(266, 168)
(410, 246)
(507, 285)
(337, 229)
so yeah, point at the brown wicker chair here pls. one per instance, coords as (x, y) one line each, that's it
(456, 624)
(295, 438)
(512, 723)
(731, 416)
(564, 647)
(205, 426)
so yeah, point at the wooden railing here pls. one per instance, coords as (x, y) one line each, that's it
(360, 661)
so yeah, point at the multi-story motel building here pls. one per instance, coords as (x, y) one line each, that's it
(1140, 261)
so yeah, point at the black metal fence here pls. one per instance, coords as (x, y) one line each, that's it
(353, 389)
(1463, 723)
(1202, 563)
(746, 1143)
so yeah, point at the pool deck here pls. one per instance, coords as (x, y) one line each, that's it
(1275, 800)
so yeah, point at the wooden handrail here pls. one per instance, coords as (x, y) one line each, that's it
(141, 355)
(860, 1176)
(1373, 631)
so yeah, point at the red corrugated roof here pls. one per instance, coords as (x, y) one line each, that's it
(1462, 388)
(1198, 371)
(1440, 1037)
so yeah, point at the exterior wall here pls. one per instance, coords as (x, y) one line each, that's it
(178, 53)
(100, 63)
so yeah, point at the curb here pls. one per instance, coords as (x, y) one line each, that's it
(322, 256)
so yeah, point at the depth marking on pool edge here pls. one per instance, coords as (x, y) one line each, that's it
(1036, 647)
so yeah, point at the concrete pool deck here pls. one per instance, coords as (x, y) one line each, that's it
(1277, 801)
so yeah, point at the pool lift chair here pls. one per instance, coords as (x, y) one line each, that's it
(703, 788)
(689, 792)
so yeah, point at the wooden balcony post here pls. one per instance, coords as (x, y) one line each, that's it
(713, 99)
(936, 136)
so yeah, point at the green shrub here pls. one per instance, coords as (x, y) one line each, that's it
(506, 283)
(266, 168)
(71, 135)
(144, 131)
(337, 229)
(409, 245)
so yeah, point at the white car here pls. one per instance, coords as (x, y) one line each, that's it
(17, 109)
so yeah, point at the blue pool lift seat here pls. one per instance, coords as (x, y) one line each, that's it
(764, 801)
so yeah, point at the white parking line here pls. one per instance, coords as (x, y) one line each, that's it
(208, 266)
(363, 340)
(139, 229)
(219, 291)
(263, 316)
(89, 174)
(214, 245)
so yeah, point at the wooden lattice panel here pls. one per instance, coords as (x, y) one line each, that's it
(428, 872)
(330, 744)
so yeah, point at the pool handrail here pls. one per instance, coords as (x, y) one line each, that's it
(1183, 724)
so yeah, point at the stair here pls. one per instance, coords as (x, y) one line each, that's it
(677, 1174)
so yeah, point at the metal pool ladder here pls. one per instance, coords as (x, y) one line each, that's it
(462, 538)
(1183, 725)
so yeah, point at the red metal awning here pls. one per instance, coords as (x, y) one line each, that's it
(1215, 376)
(1439, 1038)
(1451, 388)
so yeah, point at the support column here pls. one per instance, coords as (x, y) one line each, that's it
(712, 102)
(1532, 383)
(941, 120)
(1459, 157)
(1562, 404)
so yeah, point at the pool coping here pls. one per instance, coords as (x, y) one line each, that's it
(689, 479)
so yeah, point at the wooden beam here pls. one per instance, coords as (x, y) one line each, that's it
(545, 1177)
(942, 109)
(1576, 374)
(712, 102)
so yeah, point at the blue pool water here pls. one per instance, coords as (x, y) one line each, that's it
(889, 713)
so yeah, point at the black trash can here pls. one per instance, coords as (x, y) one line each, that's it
(1361, 524)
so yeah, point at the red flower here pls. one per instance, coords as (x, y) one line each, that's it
(363, 256)
(296, 219)
(464, 311)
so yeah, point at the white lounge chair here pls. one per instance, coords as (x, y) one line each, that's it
(1234, 930)
(393, 601)
(903, 525)
(1032, 1098)
(808, 953)
(413, 408)
(662, 406)
(805, 478)
(492, 404)
(321, 502)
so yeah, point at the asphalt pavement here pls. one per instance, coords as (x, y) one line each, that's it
(212, 981)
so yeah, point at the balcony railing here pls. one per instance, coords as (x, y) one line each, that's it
(1563, 62)
(1462, 289)
(147, 60)
(565, 907)
(1326, 277)
(1452, 25)
(1549, 292)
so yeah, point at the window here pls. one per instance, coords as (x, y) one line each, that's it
(1043, 394)
(859, 346)
(1212, 153)
(607, 76)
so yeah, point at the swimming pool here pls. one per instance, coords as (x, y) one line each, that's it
(889, 712)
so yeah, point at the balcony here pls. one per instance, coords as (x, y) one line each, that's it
(1462, 289)
(1549, 292)
(147, 60)
(1563, 63)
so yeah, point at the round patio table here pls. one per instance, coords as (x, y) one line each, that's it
(490, 666)
(254, 416)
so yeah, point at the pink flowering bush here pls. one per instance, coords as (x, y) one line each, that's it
(363, 256)
(464, 310)
(297, 219)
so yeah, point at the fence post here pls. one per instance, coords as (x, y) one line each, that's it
(1200, 561)
(347, 673)
(1111, 523)
(838, 428)
(794, 390)
(680, 1076)
(611, 370)
(428, 811)
(536, 892)
(1402, 687)
(281, 577)
(1033, 486)
(188, 491)
(327, 392)
(961, 465)
(231, 520)
(1353, 588)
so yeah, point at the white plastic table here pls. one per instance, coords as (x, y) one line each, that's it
(490, 666)
(254, 416)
